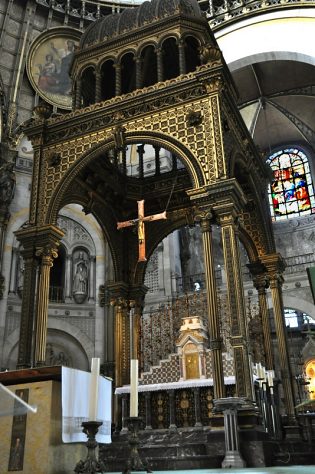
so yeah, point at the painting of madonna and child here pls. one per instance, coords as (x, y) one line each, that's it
(49, 68)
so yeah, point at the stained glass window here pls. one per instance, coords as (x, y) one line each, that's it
(291, 192)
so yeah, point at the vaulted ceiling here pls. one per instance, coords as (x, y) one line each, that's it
(277, 102)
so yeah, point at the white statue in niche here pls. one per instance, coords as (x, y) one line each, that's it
(80, 276)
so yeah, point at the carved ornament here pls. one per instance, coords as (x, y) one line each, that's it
(194, 118)
(54, 160)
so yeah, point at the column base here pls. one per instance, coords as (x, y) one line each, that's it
(233, 459)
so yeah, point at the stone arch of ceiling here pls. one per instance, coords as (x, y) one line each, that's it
(269, 37)
(159, 139)
(264, 42)
(244, 61)
(297, 303)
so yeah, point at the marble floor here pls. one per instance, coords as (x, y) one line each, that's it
(262, 470)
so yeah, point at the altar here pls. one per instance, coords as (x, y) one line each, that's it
(181, 404)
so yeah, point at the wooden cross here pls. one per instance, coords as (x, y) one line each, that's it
(141, 230)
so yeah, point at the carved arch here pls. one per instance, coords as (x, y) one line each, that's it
(172, 145)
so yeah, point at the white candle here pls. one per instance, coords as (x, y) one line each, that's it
(93, 399)
(270, 376)
(133, 387)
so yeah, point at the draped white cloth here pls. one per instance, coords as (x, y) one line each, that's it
(191, 383)
(75, 406)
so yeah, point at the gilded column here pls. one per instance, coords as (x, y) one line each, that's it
(160, 66)
(275, 266)
(119, 304)
(46, 255)
(117, 67)
(36, 241)
(182, 59)
(78, 94)
(138, 61)
(235, 294)
(98, 85)
(137, 295)
(261, 283)
(213, 313)
(27, 309)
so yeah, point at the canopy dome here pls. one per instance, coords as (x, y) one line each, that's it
(134, 18)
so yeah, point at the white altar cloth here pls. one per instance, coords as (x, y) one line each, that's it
(191, 383)
(75, 406)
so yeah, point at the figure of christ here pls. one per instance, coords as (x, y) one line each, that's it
(141, 228)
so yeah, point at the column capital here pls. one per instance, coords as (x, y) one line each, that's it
(118, 290)
(260, 276)
(34, 238)
(138, 59)
(205, 218)
(119, 302)
(228, 217)
(275, 266)
(47, 254)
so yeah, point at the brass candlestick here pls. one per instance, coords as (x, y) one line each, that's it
(91, 464)
(134, 462)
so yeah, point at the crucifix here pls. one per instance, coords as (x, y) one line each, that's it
(140, 224)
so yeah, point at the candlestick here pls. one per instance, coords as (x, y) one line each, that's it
(91, 464)
(93, 398)
(133, 387)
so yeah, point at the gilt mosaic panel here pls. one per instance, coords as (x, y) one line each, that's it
(203, 141)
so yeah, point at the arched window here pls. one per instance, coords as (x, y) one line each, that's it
(149, 66)
(170, 59)
(108, 80)
(128, 73)
(88, 86)
(191, 53)
(291, 193)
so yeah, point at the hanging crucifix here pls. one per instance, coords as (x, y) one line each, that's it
(141, 229)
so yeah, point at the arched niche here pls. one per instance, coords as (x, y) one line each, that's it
(149, 66)
(108, 80)
(128, 73)
(170, 58)
(88, 84)
(192, 57)
(66, 345)
(80, 274)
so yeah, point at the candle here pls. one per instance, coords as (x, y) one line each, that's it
(93, 399)
(133, 387)
(270, 375)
